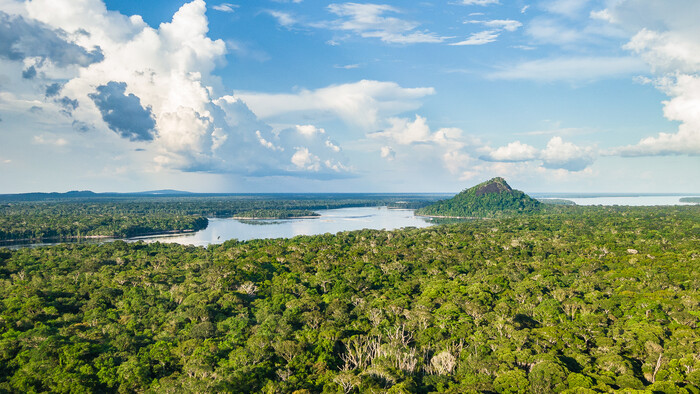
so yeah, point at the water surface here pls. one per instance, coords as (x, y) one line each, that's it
(331, 221)
(628, 200)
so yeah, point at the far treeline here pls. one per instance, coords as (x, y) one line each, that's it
(77, 217)
(581, 300)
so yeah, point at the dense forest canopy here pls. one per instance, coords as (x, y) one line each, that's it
(493, 198)
(585, 299)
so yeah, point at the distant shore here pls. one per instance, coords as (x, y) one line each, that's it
(9, 242)
(273, 218)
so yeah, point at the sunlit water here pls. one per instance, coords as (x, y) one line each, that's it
(337, 220)
(331, 221)
(628, 200)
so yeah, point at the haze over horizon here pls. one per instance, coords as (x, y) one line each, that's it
(310, 96)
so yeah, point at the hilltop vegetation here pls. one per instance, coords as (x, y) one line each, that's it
(493, 198)
(589, 299)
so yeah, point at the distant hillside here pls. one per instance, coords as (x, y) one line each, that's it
(492, 198)
(88, 195)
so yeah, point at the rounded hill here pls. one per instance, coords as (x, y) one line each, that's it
(493, 198)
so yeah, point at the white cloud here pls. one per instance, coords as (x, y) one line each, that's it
(49, 140)
(369, 21)
(266, 143)
(524, 9)
(501, 24)
(515, 151)
(478, 2)
(283, 18)
(683, 107)
(304, 159)
(309, 130)
(387, 153)
(456, 162)
(665, 35)
(404, 131)
(557, 155)
(565, 155)
(667, 52)
(169, 70)
(332, 146)
(446, 143)
(479, 38)
(603, 15)
(364, 103)
(225, 7)
(571, 69)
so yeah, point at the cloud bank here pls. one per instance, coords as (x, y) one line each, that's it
(109, 73)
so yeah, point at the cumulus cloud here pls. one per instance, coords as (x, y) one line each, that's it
(369, 21)
(406, 131)
(21, 38)
(309, 130)
(557, 155)
(362, 103)
(387, 153)
(123, 113)
(665, 35)
(156, 85)
(682, 107)
(513, 152)
(448, 144)
(304, 159)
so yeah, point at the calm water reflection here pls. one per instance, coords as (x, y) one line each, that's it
(331, 221)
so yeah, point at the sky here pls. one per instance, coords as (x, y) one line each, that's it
(321, 96)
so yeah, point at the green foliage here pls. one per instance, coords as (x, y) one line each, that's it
(580, 300)
(493, 198)
(62, 219)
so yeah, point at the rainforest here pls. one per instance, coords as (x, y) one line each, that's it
(566, 299)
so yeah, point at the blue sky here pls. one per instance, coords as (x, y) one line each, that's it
(390, 96)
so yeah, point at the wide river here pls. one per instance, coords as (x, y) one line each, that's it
(331, 221)
(337, 220)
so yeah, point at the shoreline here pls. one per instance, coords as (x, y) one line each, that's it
(10, 242)
(273, 218)
(450, 217)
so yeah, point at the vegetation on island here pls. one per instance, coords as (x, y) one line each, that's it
(73, 215)
(695, 200)
(493, 198)
(556, 201)
(577, 300)
(277, 214)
